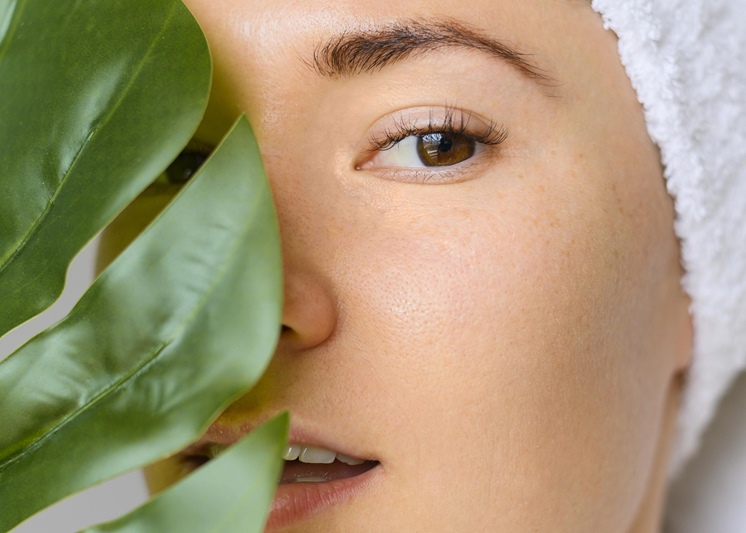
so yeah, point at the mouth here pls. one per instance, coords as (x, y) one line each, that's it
(313, 478)
(303, 463)
(309, 464)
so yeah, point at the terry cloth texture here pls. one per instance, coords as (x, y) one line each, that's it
(687, 61)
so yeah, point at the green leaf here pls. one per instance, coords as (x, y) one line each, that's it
(6, 12)
(230, 494)
(96, 99)
(179, 326)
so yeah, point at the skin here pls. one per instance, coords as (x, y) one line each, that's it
(508, 339)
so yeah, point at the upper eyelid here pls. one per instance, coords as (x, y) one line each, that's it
(432, 119)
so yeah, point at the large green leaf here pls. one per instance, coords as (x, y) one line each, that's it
(96, 99)
(230, 494)
(182, 323)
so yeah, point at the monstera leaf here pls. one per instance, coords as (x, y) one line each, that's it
(215, 499)
(96, 99)
(184, 321)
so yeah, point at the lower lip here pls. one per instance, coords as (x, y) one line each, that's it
(298, 501)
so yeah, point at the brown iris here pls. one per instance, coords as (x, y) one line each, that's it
(441, 149)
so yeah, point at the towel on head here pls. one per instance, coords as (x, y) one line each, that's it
(687, 61)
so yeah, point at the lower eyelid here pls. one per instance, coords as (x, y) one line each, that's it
(460, 172)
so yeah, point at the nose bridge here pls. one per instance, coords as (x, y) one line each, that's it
(295, 207)
(310, 304)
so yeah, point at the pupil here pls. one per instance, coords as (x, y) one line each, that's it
(445, 143)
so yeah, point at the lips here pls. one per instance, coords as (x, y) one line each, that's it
(315, 477)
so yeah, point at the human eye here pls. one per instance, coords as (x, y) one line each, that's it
(186, 164)
(435, 146)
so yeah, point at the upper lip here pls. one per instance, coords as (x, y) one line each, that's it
(226, 434)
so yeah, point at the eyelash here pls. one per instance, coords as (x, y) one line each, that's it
(405, 127)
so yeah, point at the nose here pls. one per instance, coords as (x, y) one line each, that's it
(309, 314)
(310, 307)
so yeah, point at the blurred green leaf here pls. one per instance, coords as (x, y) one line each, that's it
(230, 494)
(96, 99)
(6, 12)
(179, 326)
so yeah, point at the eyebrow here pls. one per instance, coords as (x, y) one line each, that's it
(370, 50)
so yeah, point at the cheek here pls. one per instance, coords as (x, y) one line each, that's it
(521, 319)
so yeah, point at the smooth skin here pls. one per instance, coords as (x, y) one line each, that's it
(507, 335)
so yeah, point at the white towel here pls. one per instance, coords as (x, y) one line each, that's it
(687, 61)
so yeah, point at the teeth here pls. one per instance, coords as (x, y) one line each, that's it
(311, 479)
(352, 461)
(292, 453)
(309, 454)
(306, 454)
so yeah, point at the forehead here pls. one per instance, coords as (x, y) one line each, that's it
(272, 26)
(263, 50)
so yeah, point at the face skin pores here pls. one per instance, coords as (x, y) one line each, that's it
(482, 294)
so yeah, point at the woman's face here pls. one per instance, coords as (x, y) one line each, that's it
(481, 276)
